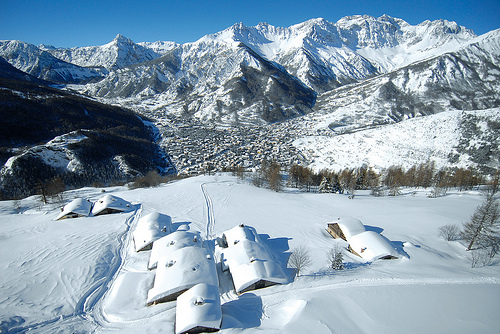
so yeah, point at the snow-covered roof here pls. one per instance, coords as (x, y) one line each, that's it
(250, 262)
(240, 232)
(78, 207)
(198, 308)
(372, 246)
(180, 271)
(172, 242)
(150, 228)
(350, 226)
(110, 204)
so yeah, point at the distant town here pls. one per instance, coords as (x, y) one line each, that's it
(196, 148)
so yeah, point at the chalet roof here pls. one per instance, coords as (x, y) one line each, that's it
(181, 270)
(240, 232)
(350, 226)
(198, 307)
(110, 203)
(250, 262)
(150, 228)
(78, 206)
(372, 246)
(172, 242)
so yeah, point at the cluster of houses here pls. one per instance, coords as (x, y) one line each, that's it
(196, 148)
(368, 245)
(80, 207)
(186, 270)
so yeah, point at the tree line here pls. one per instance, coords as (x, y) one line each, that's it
(385, 182)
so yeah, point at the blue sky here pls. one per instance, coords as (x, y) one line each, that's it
(68, 23)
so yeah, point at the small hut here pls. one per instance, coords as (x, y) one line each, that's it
(180, 271)
(78, 207)
(110, 204)
(372, 246)
(344, 228)
(199, 310)
(150, 228)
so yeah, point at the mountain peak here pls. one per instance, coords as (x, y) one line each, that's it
(122, 39)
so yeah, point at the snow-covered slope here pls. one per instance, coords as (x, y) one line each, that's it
(83, 274)
(452, 138)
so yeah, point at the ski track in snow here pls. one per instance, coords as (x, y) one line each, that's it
(85, 306)
(118, 260)
(209, 233)
(95, 310)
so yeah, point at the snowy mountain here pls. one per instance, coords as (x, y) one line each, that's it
(41, 64)
(208, 79)
(466, 78)
(120, 52)
(212, 80)
(320, 76)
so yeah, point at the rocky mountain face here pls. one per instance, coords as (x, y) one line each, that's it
(332, 78)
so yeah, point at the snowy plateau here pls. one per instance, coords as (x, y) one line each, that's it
(83, 275)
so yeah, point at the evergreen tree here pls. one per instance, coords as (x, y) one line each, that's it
(483, 229)
(324, 186)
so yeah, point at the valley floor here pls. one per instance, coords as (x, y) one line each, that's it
(82, 275)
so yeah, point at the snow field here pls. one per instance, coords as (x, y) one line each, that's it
(84, 275)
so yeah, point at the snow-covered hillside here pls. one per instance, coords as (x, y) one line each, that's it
(83, 274)
(459, 138)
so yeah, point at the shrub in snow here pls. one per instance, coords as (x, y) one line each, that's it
(480, 258)
(335, 258)
(437, 192)
(395, 191)
(449, 232)
(378, 191)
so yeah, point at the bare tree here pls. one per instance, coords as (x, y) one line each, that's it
(300, 259)
(335, 258)
(274, 177)
(449, 232)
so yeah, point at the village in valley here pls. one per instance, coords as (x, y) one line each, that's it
(196, 148)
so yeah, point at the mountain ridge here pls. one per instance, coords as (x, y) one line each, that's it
(315, 77)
